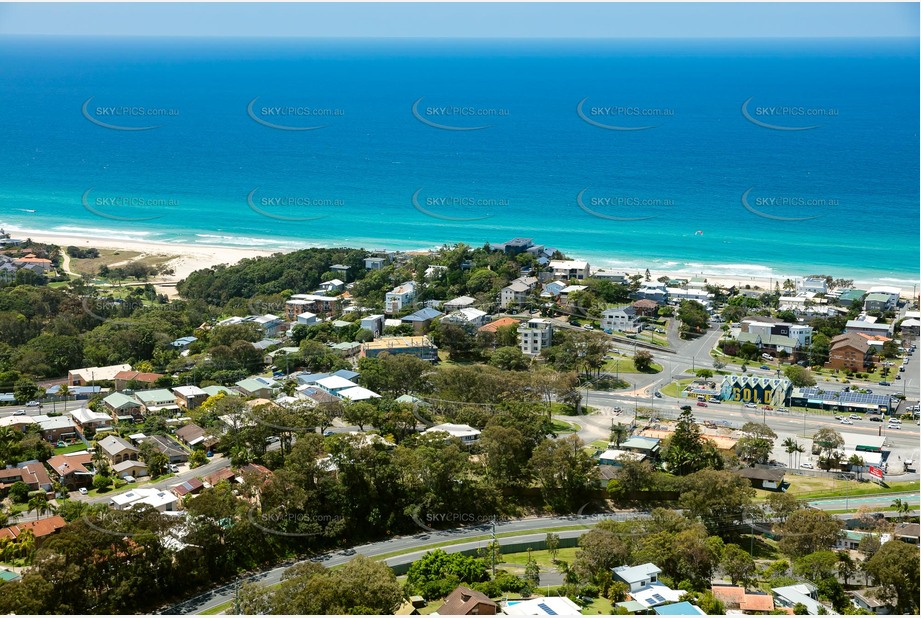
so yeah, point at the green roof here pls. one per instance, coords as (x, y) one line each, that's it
(8, 576)
(120, 400)
(157, 394)
(876, 296)
(851, 295)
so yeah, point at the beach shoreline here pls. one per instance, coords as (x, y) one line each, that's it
(190, 257)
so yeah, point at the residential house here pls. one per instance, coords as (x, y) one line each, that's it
(333, 285)
(569, 290)
(622, 319)
(461, 302)
(871, 600)
(130, 467)
(40, 528)
(643, 445)
(193, 435)
(73, 470)
(847, 297)
(314, 395)
(213, 390)
(737, 598)
(307, 318)
(257, 387)
(346, 349)
(465, 433)
(910, 327)
(32, 473)
(169, 447)
(191, 487)
(375, 263)
(867, 325)
(57, 428)
(813, 285)
(763, 478)
(373, 323)
(420, 346)
(570, 269)
(609, 275)
(122, 406)
(400, 298)
(495, 325)
(804, 594)
(553, 289)
(470, 316)
(645, 588)
(183, 343)
(421, 319)
(117, 449)
(645, 307)
(189, 397)
(357, 393)
(37, 264)
(616, 457)
(157, 400)
(158, 499)
(464, 601)
(135, 379)
(87, 375)
(882, 298)
(908, 533)
(657, 292)
(637, 577)
(342, 270)
(89, 422)
(513, 247)
(517, 292)
(535, 335)
(543, 606)
(682, 608)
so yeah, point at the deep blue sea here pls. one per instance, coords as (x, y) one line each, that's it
(740, 157)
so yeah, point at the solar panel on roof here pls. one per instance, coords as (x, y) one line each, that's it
(547, 609)
(658, 597)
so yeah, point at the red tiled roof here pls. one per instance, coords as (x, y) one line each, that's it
(39, 528)
(138, 376)
(497, 324)
(757, 603)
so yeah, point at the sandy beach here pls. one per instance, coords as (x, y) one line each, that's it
(191, 257)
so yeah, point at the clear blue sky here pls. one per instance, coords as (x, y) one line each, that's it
(504, 20)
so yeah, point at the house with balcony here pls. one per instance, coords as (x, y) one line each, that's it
(535, 335)
(570, 270)
(400, 298)
(622, 320)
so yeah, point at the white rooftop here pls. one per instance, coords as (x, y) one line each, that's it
(458, 431)
(358, 393)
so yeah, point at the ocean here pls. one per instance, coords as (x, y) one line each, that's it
(741, 157)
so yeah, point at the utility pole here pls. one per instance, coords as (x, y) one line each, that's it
(492, 550)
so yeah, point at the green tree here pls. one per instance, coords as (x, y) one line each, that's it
(895, 569)
(19, 492)
(552, 541)
(799, 376)
(807, 531)
(24, 390)
(197, 458)
(739, 565)
(721, 499)
(688, 450)
(817, 565)
(565, 472)
(509, 359)
(902, 507)
(642, 360)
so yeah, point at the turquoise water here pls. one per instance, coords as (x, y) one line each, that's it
(666, 197)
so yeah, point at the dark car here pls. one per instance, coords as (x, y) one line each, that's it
(875, 419)
(884, 383)
(658, 394)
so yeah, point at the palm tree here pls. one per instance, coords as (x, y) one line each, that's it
(790, 445)
(39, 504)
(902, 507)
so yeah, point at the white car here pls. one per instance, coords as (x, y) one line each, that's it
(83, 491)
(895, 421)
(846, 421)
(854, 417)
(806, 464)
(750, 405)
(893, 426)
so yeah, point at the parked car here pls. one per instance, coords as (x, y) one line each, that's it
(272, 439)
(782, 410)
(768, 407)
(588, 327)
(130, 479)
(83, 491)
(328, 432)
(751, 406)
(174, 468)
(898, 377)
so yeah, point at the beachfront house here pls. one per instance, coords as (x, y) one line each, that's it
(570, 269)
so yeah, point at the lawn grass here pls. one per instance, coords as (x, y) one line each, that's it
(109, 257)
(673, 389)
(217, 609)
(625, 365)
(812, 488)
(71, 448)
(598, 607)
(541, 557)
(559, 427)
